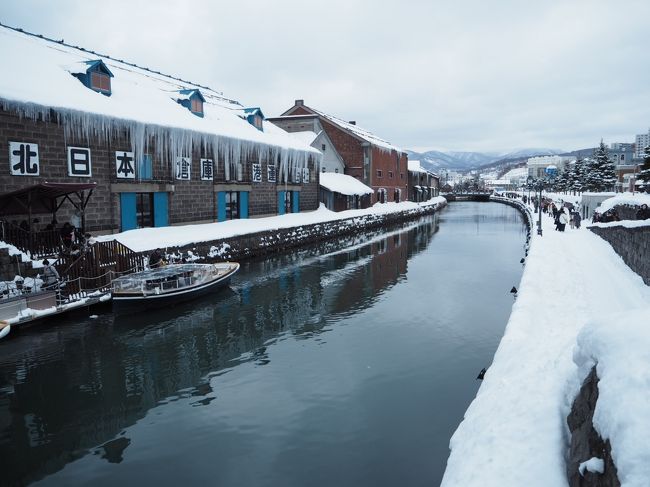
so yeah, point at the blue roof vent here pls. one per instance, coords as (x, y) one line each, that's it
(192, 100)
(96, 76)
(255, 117)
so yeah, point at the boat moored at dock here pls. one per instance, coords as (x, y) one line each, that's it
(168, 285)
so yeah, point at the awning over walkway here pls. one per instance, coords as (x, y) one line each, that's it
(44, 198)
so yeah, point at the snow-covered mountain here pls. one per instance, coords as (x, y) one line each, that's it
(466, 161)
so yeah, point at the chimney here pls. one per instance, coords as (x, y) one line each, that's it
(352, 122)
(300, 103)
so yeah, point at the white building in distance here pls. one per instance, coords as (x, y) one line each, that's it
(537, 165)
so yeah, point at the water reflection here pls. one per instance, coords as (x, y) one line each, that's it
(69, 389)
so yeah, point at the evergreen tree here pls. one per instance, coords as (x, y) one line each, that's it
(560, 181)
(580, 175)
(570, 176)
(644, 175)
(601, 175)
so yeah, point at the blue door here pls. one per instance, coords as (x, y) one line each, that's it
(295, 207)
(281, 202)
(160, 211)
(243, 204)
(127, 212)
(221, 206)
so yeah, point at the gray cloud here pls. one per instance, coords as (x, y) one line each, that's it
(463, 75)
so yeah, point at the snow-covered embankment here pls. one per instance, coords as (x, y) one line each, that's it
(515, 431)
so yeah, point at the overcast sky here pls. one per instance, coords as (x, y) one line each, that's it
(473, 75)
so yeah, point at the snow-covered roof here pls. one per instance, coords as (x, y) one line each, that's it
(142, 101)
(357, 131)
(414, 166)
(632, 199)
(306, 137)
(344, 184)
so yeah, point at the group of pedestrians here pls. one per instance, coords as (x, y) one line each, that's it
(565, 214)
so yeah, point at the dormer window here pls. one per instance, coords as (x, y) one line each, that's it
(196, 106)
(95, 76)
(100, 82)
(255, 117)
(192, 100)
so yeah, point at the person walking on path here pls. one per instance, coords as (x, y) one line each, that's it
(577, 219)
(562, 220)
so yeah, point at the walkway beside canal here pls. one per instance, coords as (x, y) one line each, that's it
(515, 431)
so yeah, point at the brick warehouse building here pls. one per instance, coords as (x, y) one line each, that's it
(351, 150)
(163, 151)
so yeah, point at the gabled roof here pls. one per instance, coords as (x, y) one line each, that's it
(351, 129)
(187, 94)
(253, 111)
(98, 63)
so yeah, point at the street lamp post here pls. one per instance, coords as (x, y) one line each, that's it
(539, 186)
(529, 182)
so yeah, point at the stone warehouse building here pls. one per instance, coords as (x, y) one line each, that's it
(161, 150)
(351, 150)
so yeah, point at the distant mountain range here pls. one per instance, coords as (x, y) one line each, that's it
(467, 161)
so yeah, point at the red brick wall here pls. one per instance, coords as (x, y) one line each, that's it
(349, 148)
(388, 162)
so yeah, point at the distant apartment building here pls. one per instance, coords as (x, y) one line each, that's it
(641, 142)
(351, 150)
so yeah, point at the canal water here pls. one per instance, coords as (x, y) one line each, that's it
(348, 364)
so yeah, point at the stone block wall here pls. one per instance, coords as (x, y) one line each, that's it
(632, 244)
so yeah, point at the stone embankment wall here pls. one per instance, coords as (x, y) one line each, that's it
(275, 241)
(524, 209)
(586, 443)
(632, 244)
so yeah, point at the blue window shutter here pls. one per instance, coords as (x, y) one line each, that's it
(127, 211)
(221, 206)
(145, 169)
(243, 204)
(160, 215)
(296, 202)
(281, 202)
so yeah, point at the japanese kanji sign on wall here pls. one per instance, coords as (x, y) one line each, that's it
(79, 164)
(256, 173)
(207, 170)
(23, 159)
(297, 175)
(183, 168)
(271, 173)
(124, 165)
(305, 175)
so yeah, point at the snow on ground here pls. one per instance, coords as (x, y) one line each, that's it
(619, 346)
(515, 433)
(631, 199)
(144, 239)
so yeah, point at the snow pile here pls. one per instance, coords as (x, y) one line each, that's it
(144, 239)
(619, 346)
(629, 199)
(515, 431)
(594, 465)
(344, 184)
